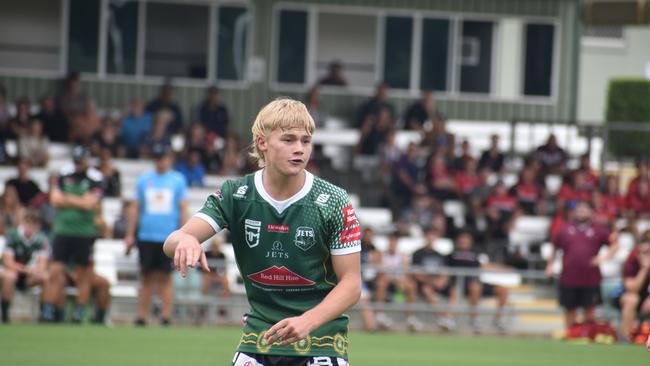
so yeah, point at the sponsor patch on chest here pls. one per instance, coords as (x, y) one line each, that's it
(280, 276)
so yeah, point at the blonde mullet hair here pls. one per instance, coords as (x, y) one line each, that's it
(282, 113)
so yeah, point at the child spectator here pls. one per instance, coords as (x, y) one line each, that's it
(612, 197)
(23, 243)
(11, 210)
(34, 145)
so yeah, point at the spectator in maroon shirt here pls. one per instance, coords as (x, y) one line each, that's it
(636, 279)
(467, 179)
(441, 183)
(529, 194)
(492, 158)
(552, 157)
(612, 197)
(638, 202)
(580, 241)
(603, 214)
(501, 210)
(562, 217)
(642, 174)
(573, 190)
(590, 178)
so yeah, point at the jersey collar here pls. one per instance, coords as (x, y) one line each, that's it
(280, 206)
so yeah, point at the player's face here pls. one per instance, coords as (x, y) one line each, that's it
(287, 151)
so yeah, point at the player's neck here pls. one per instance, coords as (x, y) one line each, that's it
(281, 186)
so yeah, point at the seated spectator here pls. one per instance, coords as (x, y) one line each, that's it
(197, 139)
(529, 193)
(71, 102)
(107, 138)
(418, 113)
(642, 174)
(432, 286)
(55, 126)
(458, 164)
(421, 212)
(158, 135)
(464, 256)
(19, 125)
(34, 145)
(233, 160)
(492, 158)
(637, 202)
(393, 262)
(552, 157)
(192, 168)
(213, 115)
(603, 215)
(27, 189)
(406, 179)
(136, 125)
(165, 102)
(334, 76)
(591, 180)
(580, 242)
(11, 210)
(612, 197)
(121, 224)
(375, 105)
(441, 182)
(23, 243)
(374, 131)
(636, 281)
(111, 178)
(85, 124)
(467, 179)
(439, 140)
(563, 216)
(501, 210)
(573, 190)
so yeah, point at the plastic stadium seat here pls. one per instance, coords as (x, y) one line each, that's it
(456, 210)
(553, 183)
(111, 209)
(378, 218)
(529, 230)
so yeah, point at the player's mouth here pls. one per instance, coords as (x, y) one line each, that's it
(296, 162)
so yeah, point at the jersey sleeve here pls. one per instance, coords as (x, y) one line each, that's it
(217, 208)
(345, 237)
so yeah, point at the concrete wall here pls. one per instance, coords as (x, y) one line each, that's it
(602, 61)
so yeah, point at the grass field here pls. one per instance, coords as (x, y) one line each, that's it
(31, 345)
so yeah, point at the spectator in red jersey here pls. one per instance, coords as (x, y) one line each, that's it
(580, 241)
(612, 197)
(642, 173)
(638, 202)
(603, 215)
(492, 158)
(459, 162)
(441, 183)
(572, 190)
(529, 193)
(636, 279)
(591, 179)
(552, 157)
(562, 217)
(501, 211)
(467, 179)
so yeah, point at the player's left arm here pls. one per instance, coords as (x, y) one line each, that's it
(345, 294)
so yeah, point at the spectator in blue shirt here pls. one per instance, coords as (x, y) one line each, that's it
(192, 168)
(135, 127)
(160, 208)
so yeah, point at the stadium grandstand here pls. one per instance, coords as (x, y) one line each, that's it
(469, 139)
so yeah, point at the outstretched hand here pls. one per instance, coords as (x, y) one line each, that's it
(187, 254)
(288, 330)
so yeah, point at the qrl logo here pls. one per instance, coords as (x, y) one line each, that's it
(305, 238)
(252, 232)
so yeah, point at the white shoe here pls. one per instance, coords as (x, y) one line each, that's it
(414, 324)
(447, 324)
(475, 325)
(500, 325)
(383, 321)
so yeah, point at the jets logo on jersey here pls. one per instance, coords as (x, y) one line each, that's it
(322, 198)
(305, 238)
(241, 192)
(252, 231)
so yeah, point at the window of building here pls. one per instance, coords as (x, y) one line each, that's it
(434, 59)
(398, 47)
(83, 35)
(476, 56)
(292, 46)
(122, 37)
(233, 23)
(538, 69)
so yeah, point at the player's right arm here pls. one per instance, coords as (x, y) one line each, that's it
(184, 244)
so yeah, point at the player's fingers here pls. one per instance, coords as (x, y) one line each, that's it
(204, 262)
(183, 262)
(190, 256)
(272, 334)
(288, 341)
(177, 259)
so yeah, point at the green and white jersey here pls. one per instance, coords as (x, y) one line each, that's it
(24, 248)
(283, 250)
(74, 221)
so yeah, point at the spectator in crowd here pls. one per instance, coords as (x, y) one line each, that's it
(121, 224)
(602, 214)
(612, 197)
(136, 125)
(573, 189)
(34, 145)
(100, 287)
(158, 135)
(394, 262)
(370, 256)
(458, 164)
(19, 125)
(440, 181)
(552, 157)
(55, 126)
(637, 202)
(591, 180)
(4, 109)
(642, 174)
(11, 210)
(562, 217)
(77, 199)
(197, 139)
(334, 75)
(406, 180)
(636, 280)
(432, 286)
(192, 168)
(107, 138)
(421, 212)
(530, 195)
(375, 105)
(23, 243)
(213, 114)
(420, 112)
(165, 102)
(464, 256)
(72, 102)
(85, 124)
(27, 189)
(502, 209)
(159, 209)
(112, 182)
(439, 140)
(233, 160)
(314, 106)
(467, 179)
(374, 131)
(492, 158)
(41, 202)
(580, 241)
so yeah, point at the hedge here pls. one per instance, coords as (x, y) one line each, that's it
(628, 100)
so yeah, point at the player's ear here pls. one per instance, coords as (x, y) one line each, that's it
(261, 143)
